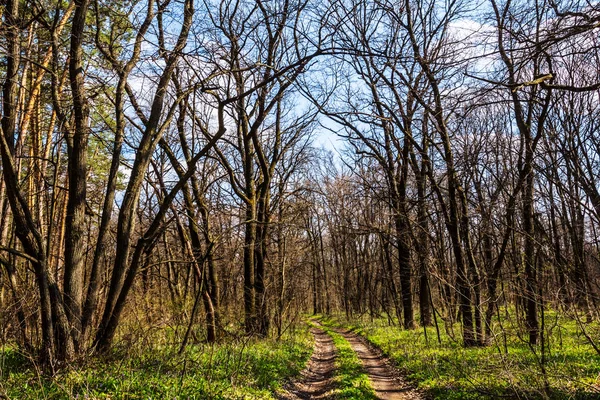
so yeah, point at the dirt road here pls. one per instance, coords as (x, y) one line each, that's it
(385, 379)
(316, 381)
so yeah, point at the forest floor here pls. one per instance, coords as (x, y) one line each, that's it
(316, 380)
(362, 358)
(327, 378)
(388, 383)
(151, 367)
(434, 361)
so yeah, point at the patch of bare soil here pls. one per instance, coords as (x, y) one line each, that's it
(386, 380)
(316, 380)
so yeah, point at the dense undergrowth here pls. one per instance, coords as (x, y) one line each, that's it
(507, 368)
(236, 369)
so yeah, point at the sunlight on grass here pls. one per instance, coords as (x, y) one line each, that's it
(242, 369)
(351, 381)
(507, 367)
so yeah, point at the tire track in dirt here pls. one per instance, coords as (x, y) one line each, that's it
(316, 380)
(386, 380)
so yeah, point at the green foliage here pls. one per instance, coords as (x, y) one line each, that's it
(242, 369)
(351, 380)
(116, 29)
(508, 367)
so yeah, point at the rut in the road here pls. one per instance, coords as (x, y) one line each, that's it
(385, 379)
(316, 380)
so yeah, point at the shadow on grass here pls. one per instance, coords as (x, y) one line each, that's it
(12, 361)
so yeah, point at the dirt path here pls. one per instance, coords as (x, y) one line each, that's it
(385, 379)
(316, 381)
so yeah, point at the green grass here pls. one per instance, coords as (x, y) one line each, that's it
(507, 368)
(243, 369)
(351, 381)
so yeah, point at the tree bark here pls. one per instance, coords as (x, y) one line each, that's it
(75, 227)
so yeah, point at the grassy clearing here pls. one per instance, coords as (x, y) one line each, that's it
(244, 369)
(351, 380)
(506, 369)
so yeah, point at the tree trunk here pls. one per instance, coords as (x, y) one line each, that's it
(249, 248)
(77, 172)
(530, 295)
